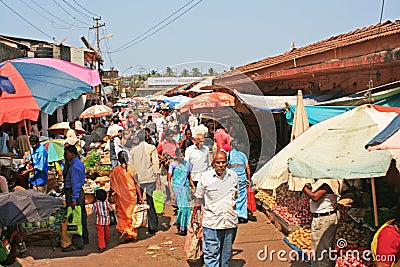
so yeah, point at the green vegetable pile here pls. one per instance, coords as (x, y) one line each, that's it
(103, 168)
(91, 160)
(383, 216)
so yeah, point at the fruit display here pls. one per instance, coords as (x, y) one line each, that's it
(295, 210)
(282, 193)
(349, 261)
(350, 232)
(301, 238)
(265, 197)
(344, 213)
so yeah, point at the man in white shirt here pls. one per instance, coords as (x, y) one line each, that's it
(144, 163)
(112, 132)
(199, 155)
(218, 190)
(71, 137)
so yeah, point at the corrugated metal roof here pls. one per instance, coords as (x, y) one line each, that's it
(357, 36)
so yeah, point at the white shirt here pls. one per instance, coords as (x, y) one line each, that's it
(200, 159)
(327, 203)
(113, 129)
(71, 137)
(219, 195)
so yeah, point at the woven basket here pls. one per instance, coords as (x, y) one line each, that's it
(90, 198)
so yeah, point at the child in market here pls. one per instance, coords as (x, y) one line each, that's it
(102, 208)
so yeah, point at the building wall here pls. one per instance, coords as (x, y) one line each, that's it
(8, 52)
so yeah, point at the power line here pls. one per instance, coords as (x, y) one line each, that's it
(85, 8)
(53, 38)
(370, 85)
(132, 42)
(43, 16)
(69, 13)
(105, 33)
(45, 10)
(77, 10)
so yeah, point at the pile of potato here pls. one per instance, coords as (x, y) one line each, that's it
(282, 193)
(265, 197)
(352, 234)
(301, 237)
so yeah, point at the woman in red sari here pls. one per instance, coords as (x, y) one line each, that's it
(126, 190)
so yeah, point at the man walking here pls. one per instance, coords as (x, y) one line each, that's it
(74, 178)
(217, 189)
(143, 162)
(199, 155)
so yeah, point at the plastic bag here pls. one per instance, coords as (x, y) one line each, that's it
(193, 244)
(74, 221)
(113, 218)
(158, 200)
(66, 239)
(139, 215)
(251, 200)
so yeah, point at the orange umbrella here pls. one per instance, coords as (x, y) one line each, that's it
(208, 102)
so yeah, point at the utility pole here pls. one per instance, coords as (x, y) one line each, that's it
(98, 48)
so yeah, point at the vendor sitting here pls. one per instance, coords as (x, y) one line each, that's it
(386, 244)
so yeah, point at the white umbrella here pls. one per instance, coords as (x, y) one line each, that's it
(96, 111)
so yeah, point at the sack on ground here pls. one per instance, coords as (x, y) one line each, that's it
(193, 244)
(139, 215)
(74, 221)
(66, 239)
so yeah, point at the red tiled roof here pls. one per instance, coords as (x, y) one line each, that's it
(357, 36)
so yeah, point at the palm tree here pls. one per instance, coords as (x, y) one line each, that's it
(185, 73)
(196, 72)
(212, 72)
(169, 72)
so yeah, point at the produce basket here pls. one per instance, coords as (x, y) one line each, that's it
(357, 214)
(284, 226)
(299, 251)
(90, 198)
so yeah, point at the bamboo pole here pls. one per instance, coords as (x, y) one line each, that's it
(373, 189)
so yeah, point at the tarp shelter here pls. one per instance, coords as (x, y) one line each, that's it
(176, 100)
(333, 141)
(338, 151)
(388, 138)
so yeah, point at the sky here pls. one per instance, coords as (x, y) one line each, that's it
(213, 33)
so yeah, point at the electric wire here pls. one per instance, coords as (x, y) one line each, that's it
(45, 10)
(132, 42)
(53, 38)
(63, 9)
(54, 24)
(376, 47)
(78, 11)
(107, 45)
(85, 9)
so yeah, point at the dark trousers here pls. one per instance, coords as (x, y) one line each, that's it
(77, 240)
(152, 215)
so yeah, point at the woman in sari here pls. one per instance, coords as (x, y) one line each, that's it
(238, 162)
(126, 189)
(179, 183)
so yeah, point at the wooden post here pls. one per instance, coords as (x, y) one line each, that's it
(373, 189)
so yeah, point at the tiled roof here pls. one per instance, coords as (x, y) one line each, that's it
(341, 40)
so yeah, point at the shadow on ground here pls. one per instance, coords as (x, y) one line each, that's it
(46, 251)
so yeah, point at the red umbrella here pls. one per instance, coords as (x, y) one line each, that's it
(209, 102)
